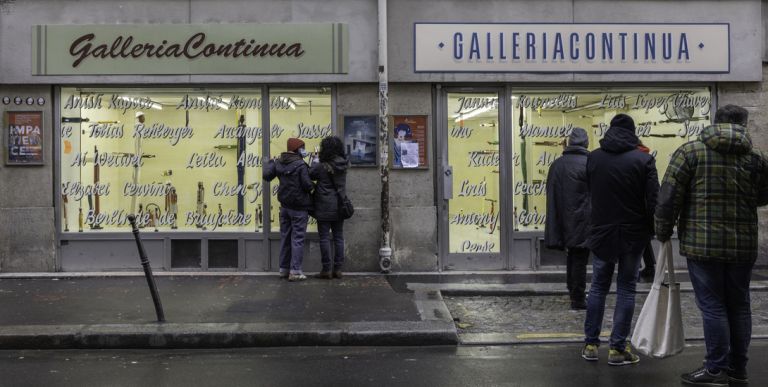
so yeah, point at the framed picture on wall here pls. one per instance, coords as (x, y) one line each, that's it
(23, 133)
(409, 141)
(361, 140)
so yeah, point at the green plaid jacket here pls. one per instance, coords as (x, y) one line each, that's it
(714, 186)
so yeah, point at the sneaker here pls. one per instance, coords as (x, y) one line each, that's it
(737, 377)
(620, 358)
(702, 377)
(296, 277)
(324, 275)
(589, 353)
(337, 274)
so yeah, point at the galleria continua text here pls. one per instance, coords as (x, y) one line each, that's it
(194, 47)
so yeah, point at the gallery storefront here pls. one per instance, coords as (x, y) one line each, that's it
(173, 120)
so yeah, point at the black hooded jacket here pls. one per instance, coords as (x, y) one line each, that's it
(623, 184)
(295, 184)
(325, 197)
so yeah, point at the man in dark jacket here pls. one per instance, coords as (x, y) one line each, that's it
(295, 203)
(568, 212)
(623, 186)
(714, 185)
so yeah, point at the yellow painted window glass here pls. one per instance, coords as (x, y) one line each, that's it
(665, 118)
(473, 152)
(181, 159)
(300, 113)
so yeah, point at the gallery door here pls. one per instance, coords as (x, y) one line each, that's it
(472, 207)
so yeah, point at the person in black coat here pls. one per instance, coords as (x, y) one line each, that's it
(330, 172)
(568, 212)
(295, 203)
(623, 185)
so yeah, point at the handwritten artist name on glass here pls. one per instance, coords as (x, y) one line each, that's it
(473, 153)
(24, 138)
(305, 114)
(178, 159)
(360, 139)
(409, 144)
(664, 118)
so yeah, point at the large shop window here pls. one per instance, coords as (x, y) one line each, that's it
(181, 159)
(304, 114)
(665, 119)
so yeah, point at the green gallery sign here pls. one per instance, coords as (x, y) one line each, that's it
(302, 48)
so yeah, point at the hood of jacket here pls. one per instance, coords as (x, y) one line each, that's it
(726, 138)
(576, 150)
(619, 140)
(288, 162)
(578, 137)
(339, 164)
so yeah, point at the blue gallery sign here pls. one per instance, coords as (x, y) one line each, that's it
(577, 48)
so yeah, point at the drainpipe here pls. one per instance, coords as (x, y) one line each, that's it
(385, 251)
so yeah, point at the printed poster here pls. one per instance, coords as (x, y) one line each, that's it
(24, 138)
(409, 130)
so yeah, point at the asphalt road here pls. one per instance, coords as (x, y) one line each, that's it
(524, 365)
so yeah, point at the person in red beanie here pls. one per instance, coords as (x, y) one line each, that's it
(295, 204)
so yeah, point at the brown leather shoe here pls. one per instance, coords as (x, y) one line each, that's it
(337, 274)
(324, 275)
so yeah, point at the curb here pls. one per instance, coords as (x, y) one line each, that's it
(546, 289)
(228, 335)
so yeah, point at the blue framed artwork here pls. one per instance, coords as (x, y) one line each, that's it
(361, 140)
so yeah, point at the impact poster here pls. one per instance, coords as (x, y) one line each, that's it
(409, 145)
(24, 138)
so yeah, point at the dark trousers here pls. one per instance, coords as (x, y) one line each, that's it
(722, 294)
(325, 229)
(293, 226)
(576, 272)
(649, 260)
(626, 282)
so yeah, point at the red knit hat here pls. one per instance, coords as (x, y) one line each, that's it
(294, 144)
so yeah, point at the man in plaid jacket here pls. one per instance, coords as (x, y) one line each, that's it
(714, 186)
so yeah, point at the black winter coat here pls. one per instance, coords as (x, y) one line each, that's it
(568, 205)
(325, 198)
(624, 185)
(295, 184)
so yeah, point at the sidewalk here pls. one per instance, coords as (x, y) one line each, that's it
(212, 310)
(217, 311)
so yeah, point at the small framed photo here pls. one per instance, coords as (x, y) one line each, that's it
(23, 133)
(361, 140)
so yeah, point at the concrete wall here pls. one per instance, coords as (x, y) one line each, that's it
(27, 232)
(413, 211)
(754, 97)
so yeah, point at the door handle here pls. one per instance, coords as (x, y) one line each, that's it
(447, 182)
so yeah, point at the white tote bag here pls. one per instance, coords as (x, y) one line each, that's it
(659, 328)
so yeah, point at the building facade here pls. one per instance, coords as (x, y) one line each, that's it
(169, 109)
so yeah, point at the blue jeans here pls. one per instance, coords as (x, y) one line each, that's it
(325, 229)
(293, 226)
(722, 294)
(626, 280)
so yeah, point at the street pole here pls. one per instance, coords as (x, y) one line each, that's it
(147, 270)
(385, 251)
